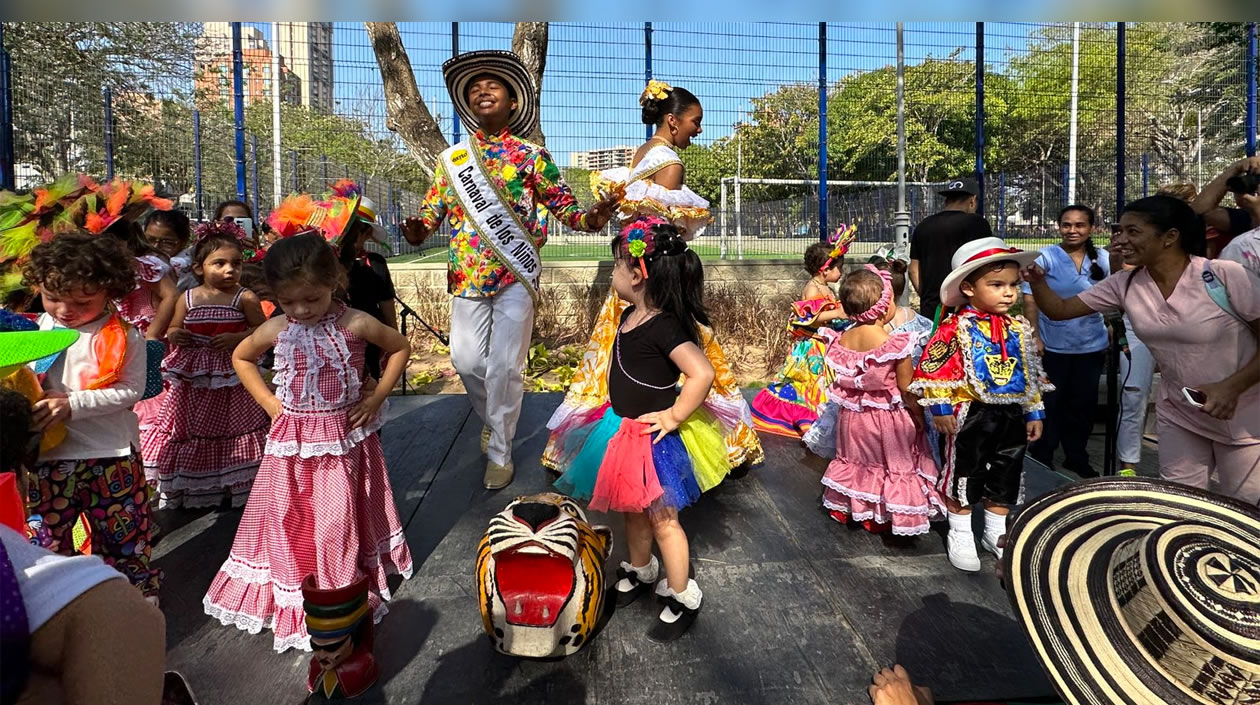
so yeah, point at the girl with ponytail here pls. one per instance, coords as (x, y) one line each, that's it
(1073, 352)
(654, 447)
(651, 191)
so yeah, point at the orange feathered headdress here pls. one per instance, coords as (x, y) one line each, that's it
(301, 213)
(119, 200)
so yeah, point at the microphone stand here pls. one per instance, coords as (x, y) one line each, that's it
(404, 312)
(1112, 416)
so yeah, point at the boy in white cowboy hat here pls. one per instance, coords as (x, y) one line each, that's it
(981, 380)
(488, 188)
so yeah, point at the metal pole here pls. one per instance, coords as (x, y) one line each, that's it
(1113, 351)
(1121, 97)
(1198, 129)
(901, 219)
(454, 115)
(722, 231)
(253, 196)
(739, 172)
(980, 117)
(323, 162)
(1076, 63)
(197, 162)
(822, 131)
(238, 93)
(1063, 184)
(109, 134)
(1251, 89)
(647, 66)
(1146, 174)
(295, 171)
(8, 175)
(277, 85)
(1001, 206)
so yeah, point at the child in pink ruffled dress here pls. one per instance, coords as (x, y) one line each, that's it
(208, 435)
(322, 503)
(883, 473)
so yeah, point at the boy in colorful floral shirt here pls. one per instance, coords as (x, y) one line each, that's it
(492, 313)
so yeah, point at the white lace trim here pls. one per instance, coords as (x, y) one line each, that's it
(895, 403)
(914, 530)
(240, 620)
(179, 489)
(311, 449)
(207, 380)
(872, 357)
(320, 344)
(932, 507)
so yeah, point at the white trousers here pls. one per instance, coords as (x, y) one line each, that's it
(489, 343)
(1137, 369)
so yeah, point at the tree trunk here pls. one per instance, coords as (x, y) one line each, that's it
(529, 41)
(406, 113)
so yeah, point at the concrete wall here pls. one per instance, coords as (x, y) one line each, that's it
(569, 287)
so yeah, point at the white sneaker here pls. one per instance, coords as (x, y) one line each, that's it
(961, 543)
(994, 529)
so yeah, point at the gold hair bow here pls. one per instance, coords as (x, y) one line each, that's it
(655, 90)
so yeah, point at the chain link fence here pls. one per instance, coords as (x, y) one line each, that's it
(158, 102)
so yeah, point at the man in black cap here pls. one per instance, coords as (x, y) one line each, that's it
(934, 241)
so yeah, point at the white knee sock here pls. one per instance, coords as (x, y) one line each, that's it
(646, 574)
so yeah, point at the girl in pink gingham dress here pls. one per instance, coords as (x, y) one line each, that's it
(322, 503)
(883, 474)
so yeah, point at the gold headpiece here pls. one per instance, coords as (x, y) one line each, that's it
(655, 90)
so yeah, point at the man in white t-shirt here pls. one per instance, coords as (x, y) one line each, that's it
(93, 637)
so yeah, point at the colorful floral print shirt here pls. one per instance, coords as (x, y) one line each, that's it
(529, 177)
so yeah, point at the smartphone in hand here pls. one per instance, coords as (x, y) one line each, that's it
(1194, 397)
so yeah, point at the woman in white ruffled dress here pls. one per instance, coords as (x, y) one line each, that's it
(654, 192)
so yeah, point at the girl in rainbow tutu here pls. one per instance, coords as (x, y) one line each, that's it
(653, 192)
(653, 447)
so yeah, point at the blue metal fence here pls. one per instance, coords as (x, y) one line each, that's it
(799, 125)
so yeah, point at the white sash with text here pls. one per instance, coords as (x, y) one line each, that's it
(490, 214)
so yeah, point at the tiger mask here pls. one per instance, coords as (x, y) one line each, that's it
(540, 576)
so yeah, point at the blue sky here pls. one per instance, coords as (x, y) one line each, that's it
(595, 71)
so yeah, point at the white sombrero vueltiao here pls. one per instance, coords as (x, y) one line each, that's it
(507, 67)
(1137, 591)
(367, 213)
(974, 255)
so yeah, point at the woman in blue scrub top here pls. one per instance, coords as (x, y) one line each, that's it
(1073, 351)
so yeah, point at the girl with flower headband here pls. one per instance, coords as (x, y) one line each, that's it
(882, 473)
(821, 437)
(789, 405)
(208, 435)
(652, 448)
(652, 191)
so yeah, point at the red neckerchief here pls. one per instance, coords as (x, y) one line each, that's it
(997, 325)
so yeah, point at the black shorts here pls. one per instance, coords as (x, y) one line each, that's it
(985, 459)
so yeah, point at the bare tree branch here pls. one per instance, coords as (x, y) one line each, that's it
(529, 41)
(407, 115)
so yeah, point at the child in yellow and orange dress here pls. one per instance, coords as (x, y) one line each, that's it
(789, 405)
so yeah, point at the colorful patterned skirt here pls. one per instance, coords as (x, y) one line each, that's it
(588, 392)
(789, 405)
(611, 462)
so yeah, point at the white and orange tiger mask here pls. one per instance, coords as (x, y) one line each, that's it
(540, 576)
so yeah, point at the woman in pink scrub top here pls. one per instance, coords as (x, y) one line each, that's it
(1197, 343)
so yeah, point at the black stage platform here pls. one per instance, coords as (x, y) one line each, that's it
(798, 609)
